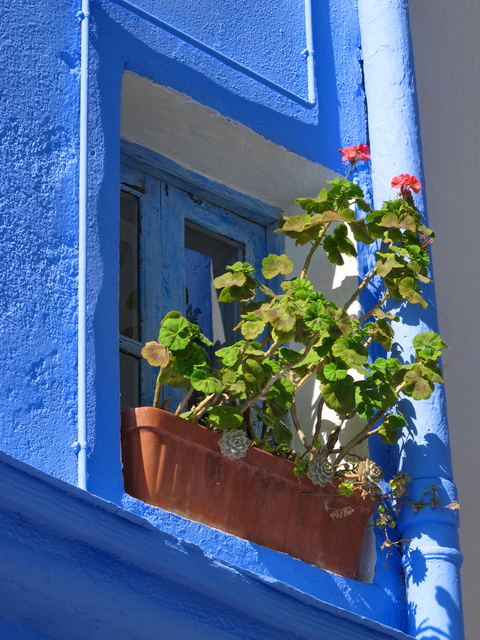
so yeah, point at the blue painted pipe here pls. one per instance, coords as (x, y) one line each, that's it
(432, 560)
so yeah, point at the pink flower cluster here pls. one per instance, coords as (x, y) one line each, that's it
(355, 154)
(406, 184)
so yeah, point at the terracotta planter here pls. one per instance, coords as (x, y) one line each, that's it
(177, 465)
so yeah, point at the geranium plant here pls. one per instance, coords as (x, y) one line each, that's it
(293, 334)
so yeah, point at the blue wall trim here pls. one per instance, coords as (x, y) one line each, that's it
(233, 64)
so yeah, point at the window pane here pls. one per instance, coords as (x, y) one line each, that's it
(129, 381)
(128, 299)
(206, 256)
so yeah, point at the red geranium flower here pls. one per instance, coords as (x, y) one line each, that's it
(406, 184)
(359, 153)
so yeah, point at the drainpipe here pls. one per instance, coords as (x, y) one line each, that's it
(432, 560)
(309, 52)
(81, 444)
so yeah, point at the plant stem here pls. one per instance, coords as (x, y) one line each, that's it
(318, 424)
(248, 421)
(360, 287)
(365, 432)
(286, 369)
(385, 297)
(158, 389)
(273, 347)
(315, 246)
(305, 378)
(295, 420)
(184, 400)
(201, 405)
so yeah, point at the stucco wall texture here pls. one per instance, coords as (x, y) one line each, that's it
(39, 122)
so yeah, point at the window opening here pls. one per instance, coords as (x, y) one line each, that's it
(172, 246)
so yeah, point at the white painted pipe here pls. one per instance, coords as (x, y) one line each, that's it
(81, 444)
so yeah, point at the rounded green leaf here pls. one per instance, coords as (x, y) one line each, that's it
(350, 351)
(417, 385)
(252, 328)
(196, 358)
(340, 396)
(174, 333)
(316, 318)
(274, 265)
(236, 278)
(202, 380)
(429, 339)
(224, 418)
(334, 371)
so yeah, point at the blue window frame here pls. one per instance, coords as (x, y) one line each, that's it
(172, 243)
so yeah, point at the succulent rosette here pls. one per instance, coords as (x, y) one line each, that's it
(369, 473)
(234, 443)
(320, 471)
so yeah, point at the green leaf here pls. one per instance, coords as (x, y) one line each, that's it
(224, 418)
(345, 489)
(174, 333)
(203, 380)
(282, 433)
(233, 384)
(361, 204)
(348, 215)
(383, 333)
(429, 339)
(228, 279)
(398, 221)
(360, 232)
(229, 355)
(417, 385)
(316, 318)
(298, 289)
(288, 355)
(332, 250)
(282, 336)
(388, 429)
(252, 328)
(334, 371)
(389, 262)
(195, 359)
(408, 289)
(296, 224)
(344, 244)
(280, 317)
(350, 350)
(156, 354)
(253, 372)
(274, 265)
(431, 372)
(340, 396)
